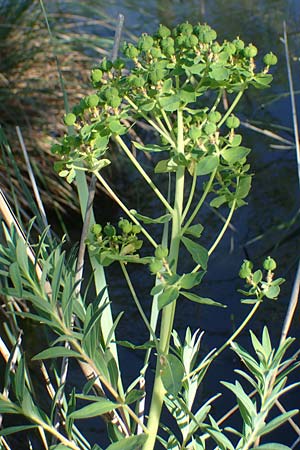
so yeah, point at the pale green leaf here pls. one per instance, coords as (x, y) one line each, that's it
(130, 443)
(201, 300)
(98, 408)
(151, 147)
(169, 295)
(172, 372)
(207, 165)
(235, 154)
(56, 352)
(197, 251)
(162, 219)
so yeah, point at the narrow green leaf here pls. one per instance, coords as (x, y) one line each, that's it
(272, 446)
(99, 407)
(207, 165)
(151, 147)
(130, 443)
(145, 346)
(134, 395)
(235, 154)
(162, 219)
(218, 201)
(56, 352)
(202, 300)
(21, 254)
(277, 422)
(56, 278)
(172, 372)
(197, 251)
(169, 295)
(16, 279)
(8, 407)
(11, 430)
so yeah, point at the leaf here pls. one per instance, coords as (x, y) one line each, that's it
(273, 292)
(195, 69)
(162, 219)
(145, 346)
(218, 72)
(21, 254)
(170, 103)
(165, 165)
(189, 280)
(57, 276)
(97, 408)
(207, 165)
(218, 201)
(272, 446)
(134, 395)
(116, 127)
(8, 407)
(195, 230)
(16, 279)
(130, 443)
(56, 352)
(172, 373)
(11, 430)
(187, 94)
(197, 251)
(235, 154)
(277, 422)
(202, 300)
(169, 295)
(244, 186)
(151, 147)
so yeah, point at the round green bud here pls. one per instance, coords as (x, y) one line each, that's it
(180, 40)
(193, 40)
(214, 116)
(233, 122)
(115, 101)
(170, 50)
(210, 128)
(125, 226)
(110, 93)
(131, 51)
(56, 148)
(195, 132)
(136, 229)
(161, 252)
(269, 264)
(118, 64)
(185, 28)
(92, 100)
(145, 42)
(246, 269)
(156, 52)
(137, 81)
(163, 31)
(96, 75)
(250, 51)
(155, 266)
(216, 48)
(109, 230)
(96, 229)
(270, 59)
(238, 43)
(70, 119)
(230, 48)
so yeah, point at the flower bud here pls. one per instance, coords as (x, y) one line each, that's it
(270, 59)
(70, 119)
(161, 252)
(250, 51)
(246, 269)
(96, 75)
(269, 264)
(233, 122)
(92, 100)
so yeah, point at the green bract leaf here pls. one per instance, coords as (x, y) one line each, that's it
(162, 219)
(271, 446)
(11, 430)
(218, 201)
(170, 103)
(165, 165)
(189, 280)
(218, 72)
(99, 407)
(172, 372)
(235, 154)
(130, 443)
(195, 230)
(207, 165)
(151, 147)
(202, 300)
(197, 251)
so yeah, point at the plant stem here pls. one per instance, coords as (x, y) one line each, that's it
(201, 201)
(124, 207)
(231, 108)
(137, 165)
(137, 302)
(168, 313)
(224, 228)
(191, 196)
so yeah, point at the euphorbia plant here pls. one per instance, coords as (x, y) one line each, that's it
(174, 81)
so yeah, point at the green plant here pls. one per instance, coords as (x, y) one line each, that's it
(174, 81)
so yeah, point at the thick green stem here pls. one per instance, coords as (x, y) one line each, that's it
(168, 313)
